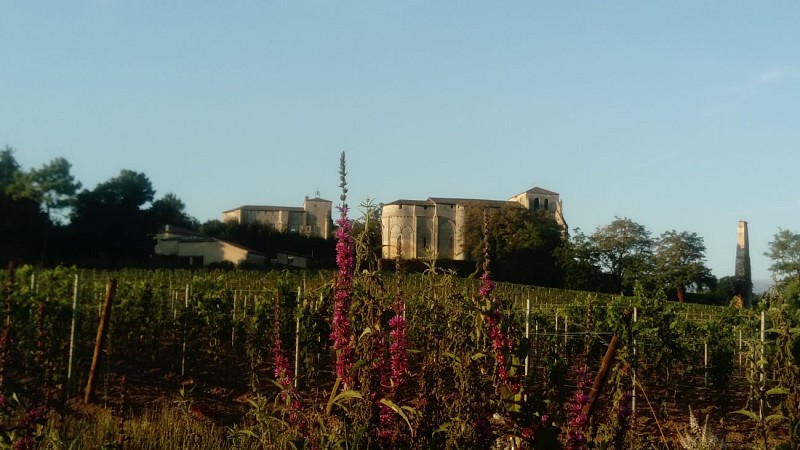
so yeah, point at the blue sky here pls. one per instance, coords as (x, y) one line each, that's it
(679, 115)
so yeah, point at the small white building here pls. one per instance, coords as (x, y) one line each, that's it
(203, 250)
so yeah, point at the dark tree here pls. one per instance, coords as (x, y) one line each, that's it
(522, 246)
(22, 222)
(724, 290)
(129, 188)
(110, 226)
(22, 225)
(579, 260)
(265, 239)
(170, 210)
(9, 168)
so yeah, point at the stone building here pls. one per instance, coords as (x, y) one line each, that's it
(313, 219)
(435, 227)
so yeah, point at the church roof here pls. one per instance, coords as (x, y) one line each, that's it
(265, 208)
(409, 202)
(538, 190)
(469, 201)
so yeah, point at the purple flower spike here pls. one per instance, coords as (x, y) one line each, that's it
(345, 261)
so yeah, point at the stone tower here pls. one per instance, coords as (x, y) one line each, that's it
(743, 278)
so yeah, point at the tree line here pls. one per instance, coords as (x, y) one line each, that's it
(534, 249)
(48, 218)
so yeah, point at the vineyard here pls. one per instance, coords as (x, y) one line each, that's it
(245, 359)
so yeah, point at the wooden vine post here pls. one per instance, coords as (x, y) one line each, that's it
(602, 374)
(600, 379)
(102, 329)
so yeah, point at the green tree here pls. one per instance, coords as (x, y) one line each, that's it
(53, 185)
(367, 233)
(784, 251)
(472, 230)
(680, 262)
(625, 251)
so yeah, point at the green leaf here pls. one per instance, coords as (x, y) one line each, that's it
(399, 411)
(278, 385)
(359, 364)
(775, 418)
(247, 432)
(367, 331)
(779, 390)
(478, 356)
(348, 394)
(747, 413)
(279, 421)
(444, 428)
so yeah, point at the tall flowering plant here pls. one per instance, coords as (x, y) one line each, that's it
(398, 358)
(345, 261)
(502, 344)
(398, 350)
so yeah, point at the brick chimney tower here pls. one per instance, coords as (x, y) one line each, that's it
(743, 278)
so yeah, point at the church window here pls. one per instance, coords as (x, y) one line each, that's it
(546, 204)
(536, 204)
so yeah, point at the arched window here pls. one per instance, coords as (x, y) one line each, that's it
(546, 204)
(536, 204)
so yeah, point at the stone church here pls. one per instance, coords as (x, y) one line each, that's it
(435, 227)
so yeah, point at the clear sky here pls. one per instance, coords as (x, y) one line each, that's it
(679, 115)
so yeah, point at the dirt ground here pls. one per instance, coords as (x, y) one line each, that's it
(220, 391)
